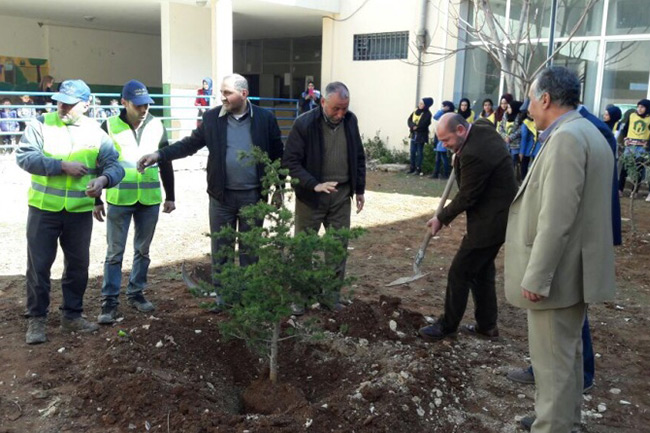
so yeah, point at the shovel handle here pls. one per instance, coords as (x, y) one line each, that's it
(427, 235)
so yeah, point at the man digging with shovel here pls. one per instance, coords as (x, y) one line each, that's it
(486, 187)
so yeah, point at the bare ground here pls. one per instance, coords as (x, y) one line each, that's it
(362, 377)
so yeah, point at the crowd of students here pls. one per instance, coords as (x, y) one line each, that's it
(516, 127)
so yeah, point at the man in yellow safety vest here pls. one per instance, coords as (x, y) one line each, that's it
(71, 160)
(136, 133)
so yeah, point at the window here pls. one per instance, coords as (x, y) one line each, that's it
(381, 46)
(628, 17)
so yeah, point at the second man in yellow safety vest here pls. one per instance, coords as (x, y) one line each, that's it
(135, 133)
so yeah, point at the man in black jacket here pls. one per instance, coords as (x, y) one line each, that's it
(324, 152)
(233, 183)
(486, 188)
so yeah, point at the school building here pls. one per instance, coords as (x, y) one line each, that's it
(387, 51)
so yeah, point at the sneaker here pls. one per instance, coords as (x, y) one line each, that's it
(78, 325)
(140, 303)
(36, 330)
(411, 171)
(522, 375)
(108, 315)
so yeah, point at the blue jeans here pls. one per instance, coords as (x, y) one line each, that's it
(589, 367)
(118, 219)
(417, 154)
(442, 164)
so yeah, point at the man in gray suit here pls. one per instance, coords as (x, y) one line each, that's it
(559, 253)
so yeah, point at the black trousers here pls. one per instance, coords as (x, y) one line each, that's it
(472, 269)
(44, 230)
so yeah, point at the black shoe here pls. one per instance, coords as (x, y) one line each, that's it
(108, 315)
(434, 332)
(411, 171)
(527, 422)
(140, 303)
(490, 334)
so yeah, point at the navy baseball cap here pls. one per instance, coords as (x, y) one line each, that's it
(72, 91)
(137, 93)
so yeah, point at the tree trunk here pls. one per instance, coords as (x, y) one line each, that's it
(273, 359)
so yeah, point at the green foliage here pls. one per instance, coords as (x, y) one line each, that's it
(376, 149)
(298, 269)
(429, 160)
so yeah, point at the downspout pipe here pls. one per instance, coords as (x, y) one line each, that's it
(421, 43)
(551, 35)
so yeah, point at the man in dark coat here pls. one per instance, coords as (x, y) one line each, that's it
(233, 183)
(325, 153)
(487, 186)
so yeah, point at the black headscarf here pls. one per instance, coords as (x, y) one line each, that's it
(515, 108)
(646, 104)
(467, 113)
(614, 115)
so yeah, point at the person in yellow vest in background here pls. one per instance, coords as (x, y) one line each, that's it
(488, 111)
(71, 160)
(136, 133)
(636, 137)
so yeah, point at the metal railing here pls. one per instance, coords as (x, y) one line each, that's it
(179, 115)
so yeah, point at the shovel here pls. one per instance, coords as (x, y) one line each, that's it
(417, 272)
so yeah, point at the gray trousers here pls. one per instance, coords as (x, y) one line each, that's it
(333, 211)
(227, 214)
(44, 230)
(555, 340)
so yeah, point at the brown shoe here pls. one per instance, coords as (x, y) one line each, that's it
(490, 334)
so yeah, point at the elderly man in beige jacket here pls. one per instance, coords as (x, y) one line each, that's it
(558, 251)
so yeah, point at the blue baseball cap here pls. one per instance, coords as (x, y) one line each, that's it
(136, 92)
(72, 91)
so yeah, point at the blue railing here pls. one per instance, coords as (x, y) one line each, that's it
(179, 118)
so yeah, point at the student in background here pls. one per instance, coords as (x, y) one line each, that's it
(488, 111)
(465, 110)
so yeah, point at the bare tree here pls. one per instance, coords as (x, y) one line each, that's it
(516, 46)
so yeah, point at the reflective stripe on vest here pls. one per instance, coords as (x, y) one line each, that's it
(135, 187)
(639, 127)
(56, 193)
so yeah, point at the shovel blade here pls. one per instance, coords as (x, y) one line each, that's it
(405, 280)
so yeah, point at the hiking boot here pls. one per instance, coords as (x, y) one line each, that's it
(36, 330)
(108, 315)
(522, 375)
(140, 303)
(78, 325)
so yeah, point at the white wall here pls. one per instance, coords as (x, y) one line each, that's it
(96, 56)
(186, 46)
(105, 57)
(21, 37)
(383, 92)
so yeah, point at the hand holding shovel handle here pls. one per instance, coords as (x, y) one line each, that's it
(427, 236)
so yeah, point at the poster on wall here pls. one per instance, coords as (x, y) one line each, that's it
(22, 71)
